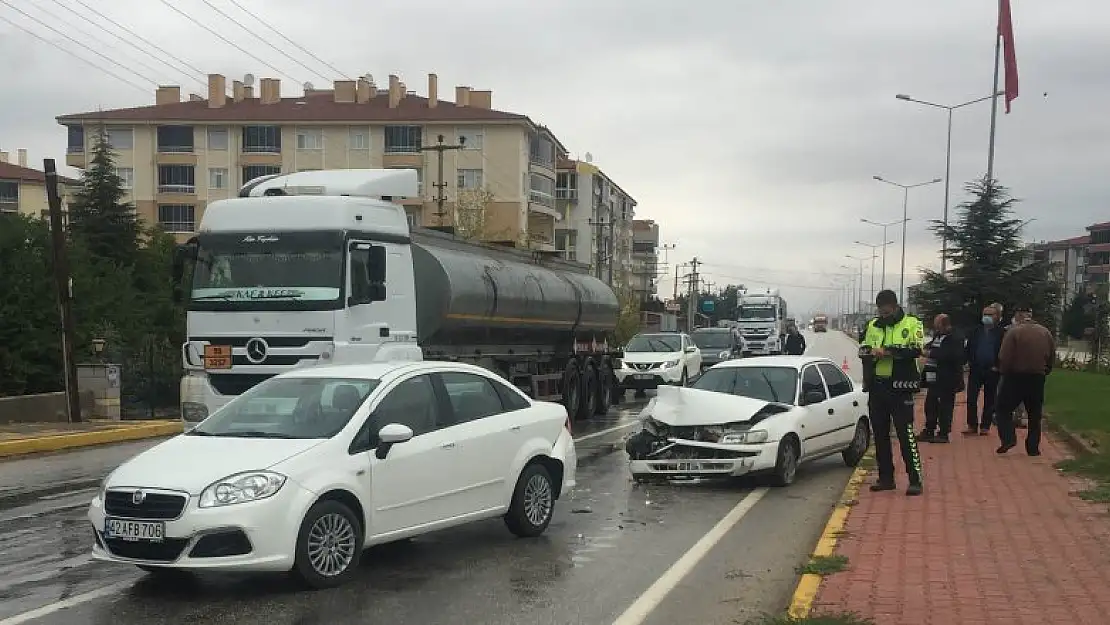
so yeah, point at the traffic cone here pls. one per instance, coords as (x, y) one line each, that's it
(844, 366)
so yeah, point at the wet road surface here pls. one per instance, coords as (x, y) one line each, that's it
(614, 548)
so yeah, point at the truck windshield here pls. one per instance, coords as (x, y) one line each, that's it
(268, 271)
(713, 340)
(757, 313)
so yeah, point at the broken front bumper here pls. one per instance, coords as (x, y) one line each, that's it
(651, 456)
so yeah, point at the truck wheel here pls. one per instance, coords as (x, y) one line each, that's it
(589, 393)
(604, 390)
(572, 389)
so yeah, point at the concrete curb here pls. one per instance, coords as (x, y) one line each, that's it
(806, 592)
(1073, 439)
(58, 442)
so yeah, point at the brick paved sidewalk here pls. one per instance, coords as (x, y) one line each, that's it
(994, 539)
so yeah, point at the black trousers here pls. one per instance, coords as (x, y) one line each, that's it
(1016, 389)
(888, 409)
(940, 403)
(987, 382)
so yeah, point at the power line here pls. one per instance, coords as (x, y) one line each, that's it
(262, 39)
(769, 270)
(74, 55)
(290, 41)
(221, 38)
(778, 284)
(127, 30)
(58, 32)
(95, 39)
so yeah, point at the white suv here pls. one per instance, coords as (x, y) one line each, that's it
(652, 360)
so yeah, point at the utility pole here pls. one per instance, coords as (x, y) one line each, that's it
(677, 269)
(64, 287)
(441, 187)
(612, 247)
(691, 301)
(600, 253)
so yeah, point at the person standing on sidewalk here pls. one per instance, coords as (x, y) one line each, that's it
(1025, 360)
(943, 377)
(982, 357)
(891, 346)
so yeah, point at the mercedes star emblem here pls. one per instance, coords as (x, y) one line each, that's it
(138, 497)
(256, 350)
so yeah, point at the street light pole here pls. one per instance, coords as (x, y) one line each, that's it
(947, 166)
(859, 305)
(874, 255)
(884, 227)
(905, 217)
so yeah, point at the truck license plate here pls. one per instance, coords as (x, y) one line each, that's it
(135, 531)
(217, 357)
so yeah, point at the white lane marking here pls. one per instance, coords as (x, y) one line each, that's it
(58, 606)
(586, 437)
(642, 607)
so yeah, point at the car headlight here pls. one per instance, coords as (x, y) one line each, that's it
(751, 437)
(241, 488)
(670, 363)
(724, 354)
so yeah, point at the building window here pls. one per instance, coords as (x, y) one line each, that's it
(120, 138)
(541, 190)
(541, 151)
(126, 177)
(176, 179)
(360, 138)
(177, 218)
(413, 218)
(566, 186)
(9, 195)
(264, 139)
(75, 139)
(470, 138)
(470, 179)
(250, 172)
(217, 139)
(310, 139)
(175, 139)
(217, 178)
(403, 139)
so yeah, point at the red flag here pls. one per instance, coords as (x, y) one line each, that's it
(1006, 31)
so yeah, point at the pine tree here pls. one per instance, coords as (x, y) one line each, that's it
(98, 214)
(989, 262)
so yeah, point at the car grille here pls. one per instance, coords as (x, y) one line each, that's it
(166, 551)
(645, 366)
(120, 503)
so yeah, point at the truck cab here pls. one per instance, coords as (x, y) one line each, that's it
(761, 318)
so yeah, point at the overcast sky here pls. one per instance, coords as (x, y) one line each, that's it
(750, 130)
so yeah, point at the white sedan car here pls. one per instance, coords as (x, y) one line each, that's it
(306, 469)
(758, 415)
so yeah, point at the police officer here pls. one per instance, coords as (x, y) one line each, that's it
(889, 350)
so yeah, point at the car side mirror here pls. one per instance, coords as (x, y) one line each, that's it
(391, 434)
(813, 397)
(690, 349)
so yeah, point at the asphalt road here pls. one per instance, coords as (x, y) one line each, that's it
(616, 553)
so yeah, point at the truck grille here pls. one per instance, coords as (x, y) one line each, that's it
(154, 506)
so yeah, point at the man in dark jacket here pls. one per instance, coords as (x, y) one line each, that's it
(943, 377)
(795, 342)
(982, 359)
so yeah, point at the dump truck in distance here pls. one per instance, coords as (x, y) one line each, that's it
(820, 322)
(322, 267)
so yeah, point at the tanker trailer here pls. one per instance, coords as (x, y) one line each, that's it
(335, 275)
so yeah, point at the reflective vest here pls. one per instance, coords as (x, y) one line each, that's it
(909, 332)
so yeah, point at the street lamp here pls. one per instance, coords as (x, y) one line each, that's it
(905, 217)
(874, 255)
(884, 226)
(947, 162)
(862, 260)
(850, 295)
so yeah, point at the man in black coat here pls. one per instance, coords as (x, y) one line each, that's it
(795, 344)
(982, 358)
(943, 377)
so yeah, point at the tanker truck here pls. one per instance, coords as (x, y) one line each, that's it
(321, 267)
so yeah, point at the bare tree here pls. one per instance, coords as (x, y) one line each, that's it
(470, 213)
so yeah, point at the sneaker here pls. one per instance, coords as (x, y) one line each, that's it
(914, 490)
(882, 485)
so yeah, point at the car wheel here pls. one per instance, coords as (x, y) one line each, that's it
(786, 465)
(329, 545)
(861, 440)
(533, 502)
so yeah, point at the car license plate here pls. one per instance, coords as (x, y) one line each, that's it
(135, 531)
(643, 376)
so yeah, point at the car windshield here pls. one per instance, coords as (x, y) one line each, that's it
(713, 340)
(755, 313)
(777, 384)
(654, 343)
(289, 408)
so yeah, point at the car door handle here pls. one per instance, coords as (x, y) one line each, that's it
(448, 446)
(515, 428)
(855, 404)
(831, 411)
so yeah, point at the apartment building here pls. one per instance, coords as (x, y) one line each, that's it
(23, 189)
(645, 258)
(1097, 261)
(597, 229)
(179, 154)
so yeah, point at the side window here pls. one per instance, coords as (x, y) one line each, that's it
(412, 402)
(812, 383)
(838, 383)
(510, 399)
(358, 268)
(472, 396)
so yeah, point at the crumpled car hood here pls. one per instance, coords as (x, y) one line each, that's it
(678, 406)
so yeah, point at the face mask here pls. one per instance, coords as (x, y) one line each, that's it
(987, 321)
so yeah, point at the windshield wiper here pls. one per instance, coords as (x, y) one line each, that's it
(252, 434)
(196, 432)
(770, 387)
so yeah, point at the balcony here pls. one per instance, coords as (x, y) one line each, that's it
(566, 194)
(1093, 269)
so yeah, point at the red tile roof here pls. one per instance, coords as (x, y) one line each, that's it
(315, 107)
(1065, 243)
(9, 171)
(1102, 226)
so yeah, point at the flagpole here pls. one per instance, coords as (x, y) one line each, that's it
(994, 93)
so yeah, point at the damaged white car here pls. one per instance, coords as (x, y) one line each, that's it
(753, 416)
